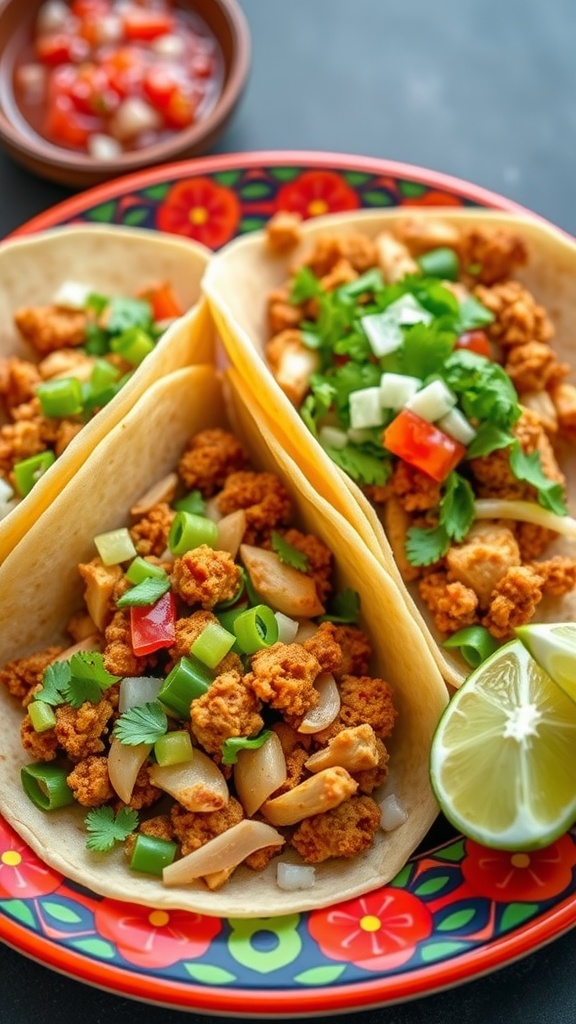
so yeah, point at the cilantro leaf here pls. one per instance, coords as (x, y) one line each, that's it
(144, 593)
(425, 350)
(528, 467)
(305, 285)
(484, 389)
(362, 467)
(106, 828)
(351, 377)
(457, 507)
(426, 546)
(143, 724)
(371, 281)
(344, 607)
(54, 683)
(287, 553)
(125, 313)
(232, 746)
(88, 679)
(489, 438)
(473, 314)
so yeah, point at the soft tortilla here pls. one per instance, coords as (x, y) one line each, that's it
(114, 261)
(40, 588)
(237, 282)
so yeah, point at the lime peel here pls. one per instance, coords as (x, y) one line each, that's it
(502, 765)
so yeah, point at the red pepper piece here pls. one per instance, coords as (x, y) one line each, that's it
(423, 445)
(152, 626)
(475, 341)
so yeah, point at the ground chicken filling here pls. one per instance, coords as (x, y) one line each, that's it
(494, 573)
(329, 752)
(76, 354)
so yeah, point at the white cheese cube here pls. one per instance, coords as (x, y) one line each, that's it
(457, 426)
(432, 402)
(396, 389)
(366, 408)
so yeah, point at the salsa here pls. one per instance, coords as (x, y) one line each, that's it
(105, 77)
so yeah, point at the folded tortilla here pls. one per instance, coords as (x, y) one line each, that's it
(237, 283)
(40, 588)
(113, 261)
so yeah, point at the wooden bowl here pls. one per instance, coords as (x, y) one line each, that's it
(226, 21)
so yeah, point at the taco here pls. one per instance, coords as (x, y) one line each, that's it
(90, 316)
(41, 602)
(424, 362)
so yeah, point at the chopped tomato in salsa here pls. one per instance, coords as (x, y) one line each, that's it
(109, 76)
(423, 445)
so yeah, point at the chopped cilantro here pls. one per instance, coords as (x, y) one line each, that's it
(489, 438)
(54, 683)
(361, 466)
(143, 724)
(106, 828)
(145, 593)
(424, 547)
(344, 607)
(425, 350)
(232, 746)
(97, 302)
(528, 467)
(305, 285)
(484, 390)
(287, 553)
(369, 282)
(97, 341)
(125, 313)
(74, 682)
(473, 314)
(457, 507)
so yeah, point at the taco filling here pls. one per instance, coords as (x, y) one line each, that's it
(86, 346)
(216, 706)
(427, 373)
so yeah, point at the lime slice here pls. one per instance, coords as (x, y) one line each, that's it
(553, 646)
(502, 762)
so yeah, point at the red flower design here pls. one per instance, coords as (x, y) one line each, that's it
(317, 192)
(202, 210)
(22, 875)
(155, 938)
(515, 877)
(433, 197)
(377, 932)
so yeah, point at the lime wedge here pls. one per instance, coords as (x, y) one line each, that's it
(502, 762)
(553, 646)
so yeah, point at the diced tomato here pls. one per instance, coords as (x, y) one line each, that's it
(67, 125)
(125, 70)
(140, 23)
(85, 8)
(164, 303)
(159, 84)
(152, 626)
(423, 445)
(180, 110)
(60, 47)
(475, 341)
(91, 92)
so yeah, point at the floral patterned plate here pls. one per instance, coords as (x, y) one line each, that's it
(456, 910)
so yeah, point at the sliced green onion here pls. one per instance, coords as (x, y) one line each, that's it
(442, 263)
(213, 644)
(103, 375)
(28, 472)
(45, 785)
(147, 592)
(133, 345)
(151, 855)
(41, 715)
(115, 546)
(475, 644)
(189, 531)
(184, 683)
(225, 605)
(228, 617)
(174, 747)
(62, 397)
(140, 569)
(192, 502)
(256, 628)
(232, 746)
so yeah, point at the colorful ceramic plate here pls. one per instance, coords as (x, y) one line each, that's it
(456, 910)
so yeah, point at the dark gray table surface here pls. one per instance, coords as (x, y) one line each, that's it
(484, 90)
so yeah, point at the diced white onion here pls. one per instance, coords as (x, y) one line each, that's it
(52, 17)
(258, 773)
(292, 877)
(103, 147)
(198, 785)
(328, 706)
(211, 510)
(169, 45)
(137, 690)
(124, 763)
(223, 852)
(396, 389)
(134, 117)
(525, 512)
(287, 628)
(72, 295)
(392, 813)
(407, 311)
(366, 408)
(332, 437)
(110, 28)
(306, 629)
(457, 426)
(231, 529)
(384, 333)
(162, 490)
(282, 586)
(432, 402)
(6, 491)
(358, 436)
